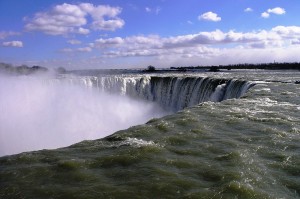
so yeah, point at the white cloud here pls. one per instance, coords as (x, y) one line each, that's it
(109, 25)
(190, 22)
(83, 31)
(68, 18)
(277, 11)
(71, 50)
(104, 17)
(287, 31)
(74, 42)
(265, 15)
(84, 49)
(210, 16)
(212, 47)
(5, 34)
(219, 37)
(108, 42)
(295, 42)
(18, 44)
(196, 45)
(248, 10)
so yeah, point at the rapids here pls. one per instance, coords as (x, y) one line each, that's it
(246, 147)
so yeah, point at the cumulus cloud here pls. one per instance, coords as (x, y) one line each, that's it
(18, 44)
(196, 45)
(277, 11)
(82, 31)
(109, 25)
(70, 18)
(291, 32)
(265, 15)
(212, 47)
(210, 16)
(248, 10)
(130, 43)
(108, 42)
(104, 17)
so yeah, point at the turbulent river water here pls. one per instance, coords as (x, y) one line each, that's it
(236, 144)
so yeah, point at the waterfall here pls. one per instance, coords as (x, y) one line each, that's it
(172, 93)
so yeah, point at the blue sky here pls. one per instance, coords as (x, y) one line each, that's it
(137, 33)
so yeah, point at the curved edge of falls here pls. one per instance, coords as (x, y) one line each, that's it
(172, 93)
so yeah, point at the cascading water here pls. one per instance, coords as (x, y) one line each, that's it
(172, 93)
(54, 98)
(245, 148)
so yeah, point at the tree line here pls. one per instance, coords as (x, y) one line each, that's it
(9, 69)
(264, 66)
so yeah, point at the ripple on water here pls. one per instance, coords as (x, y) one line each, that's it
(240, 148)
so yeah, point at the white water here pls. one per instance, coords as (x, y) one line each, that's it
(46, 112)
(171, 92)
(36, 114)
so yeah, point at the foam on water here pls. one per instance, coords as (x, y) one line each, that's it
(237, 148)
(134, 142)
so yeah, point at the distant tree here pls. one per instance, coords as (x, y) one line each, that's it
(214, 69)
(151, 68)
(38, 69)
(21, 70)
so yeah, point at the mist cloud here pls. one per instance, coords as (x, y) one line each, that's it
(45, 114)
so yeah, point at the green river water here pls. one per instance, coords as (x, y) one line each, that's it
(238, 148)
